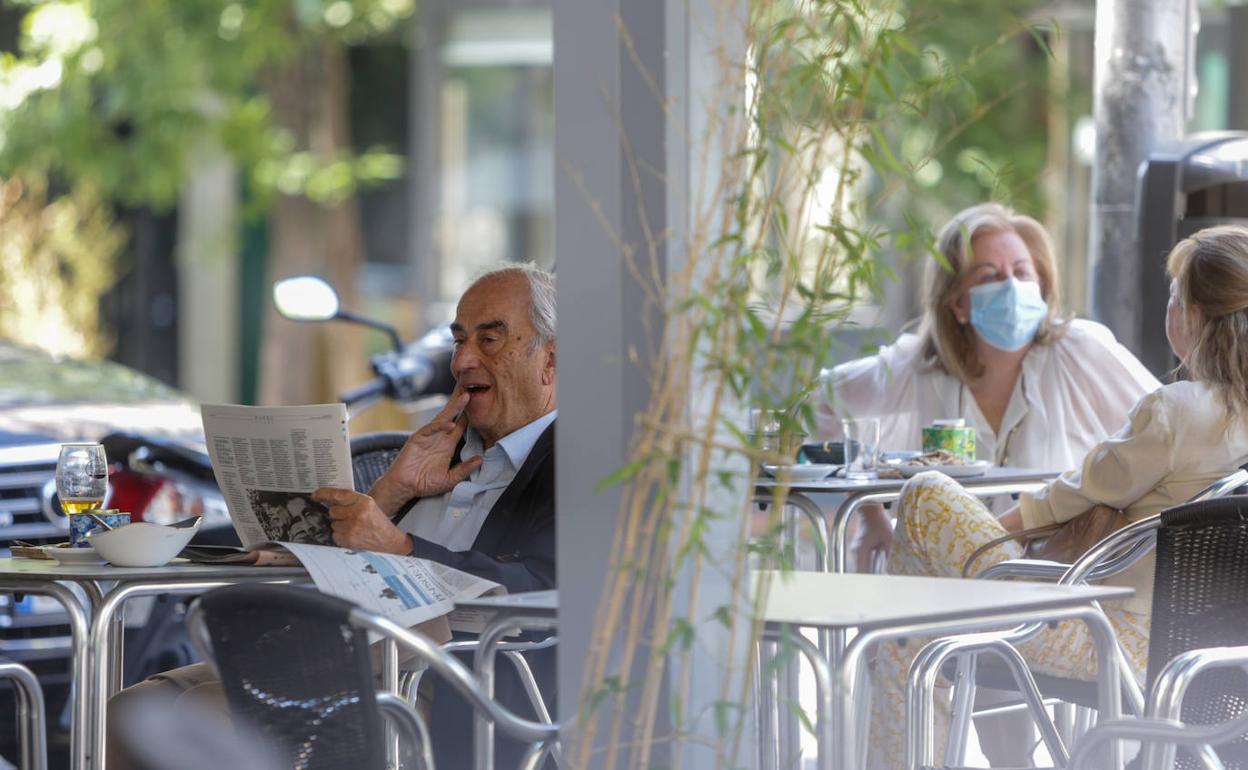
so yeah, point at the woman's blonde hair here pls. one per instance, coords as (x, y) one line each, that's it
(950, 345)
(1210, 271)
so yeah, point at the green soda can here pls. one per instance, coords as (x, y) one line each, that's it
(952, 436)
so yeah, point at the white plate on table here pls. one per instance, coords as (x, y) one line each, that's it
(955, 471)
(801, 471)
(74, 556)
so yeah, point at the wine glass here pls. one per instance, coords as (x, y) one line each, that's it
(81, 477)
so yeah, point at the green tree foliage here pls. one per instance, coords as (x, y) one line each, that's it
(120, 93)
(980, 74)
(56, 258)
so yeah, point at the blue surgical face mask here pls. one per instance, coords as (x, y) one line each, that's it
(1006, 314)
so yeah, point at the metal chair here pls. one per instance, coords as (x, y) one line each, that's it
(372, 454)
(32, 735)
(1111, 556)
(1199, 622)
(1162, 728)
(295, 664)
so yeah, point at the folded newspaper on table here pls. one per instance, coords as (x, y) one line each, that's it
(268, 462)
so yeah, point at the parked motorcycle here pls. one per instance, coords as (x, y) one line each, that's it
(406, 373)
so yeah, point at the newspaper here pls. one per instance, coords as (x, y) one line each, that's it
(405, 589)
(269, 461)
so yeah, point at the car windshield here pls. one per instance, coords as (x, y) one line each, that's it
(31, 377)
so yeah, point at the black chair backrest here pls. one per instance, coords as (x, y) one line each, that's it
(295, 669)
(1200, 599)
(371, 455)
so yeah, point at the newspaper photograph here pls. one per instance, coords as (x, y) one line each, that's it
(269, 460)
(405, 589)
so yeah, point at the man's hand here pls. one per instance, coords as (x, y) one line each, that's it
(359, 523)
(876, 534)
(423, 467)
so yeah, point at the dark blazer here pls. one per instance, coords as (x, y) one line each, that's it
(516, 544)
(515, 548)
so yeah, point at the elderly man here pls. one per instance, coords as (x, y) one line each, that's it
(473, 489)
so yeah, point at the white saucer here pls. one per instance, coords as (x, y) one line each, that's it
(802, 471)
(955, 471)
(72, 556)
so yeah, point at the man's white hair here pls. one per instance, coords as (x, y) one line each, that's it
(542, 310)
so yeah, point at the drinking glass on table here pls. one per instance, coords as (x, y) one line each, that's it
(81, 478)
(862, 448)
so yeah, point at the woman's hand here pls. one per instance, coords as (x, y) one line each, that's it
(876, 534)
(1012, 519)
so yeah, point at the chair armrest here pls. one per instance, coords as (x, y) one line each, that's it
(1043, 569)
(1035, 569)
(457, 675)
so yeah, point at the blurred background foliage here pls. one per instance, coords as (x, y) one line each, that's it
(122, 103)
(119, 93)
(56, 258)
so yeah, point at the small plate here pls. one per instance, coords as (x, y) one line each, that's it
(801, 472)
(958, 471)
(73, 556)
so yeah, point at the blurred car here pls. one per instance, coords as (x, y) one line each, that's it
(46, 400)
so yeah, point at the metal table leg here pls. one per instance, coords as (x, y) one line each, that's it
(847, 677)
(79, 625)
(483, 664)
(824, 722)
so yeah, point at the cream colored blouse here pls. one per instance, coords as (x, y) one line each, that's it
(1072, 393)
(1179, 440)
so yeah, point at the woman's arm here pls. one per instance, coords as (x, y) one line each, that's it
(1116, 472)
(1012, 519)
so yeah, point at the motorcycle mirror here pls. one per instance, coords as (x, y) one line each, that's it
(305, 298)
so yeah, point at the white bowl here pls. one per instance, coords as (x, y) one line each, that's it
(143, 544)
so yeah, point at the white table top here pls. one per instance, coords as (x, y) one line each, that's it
(827, 600)
(833, 485)
(178, 570)
(528, 603)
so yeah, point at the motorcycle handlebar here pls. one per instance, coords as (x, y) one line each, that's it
(374, 388)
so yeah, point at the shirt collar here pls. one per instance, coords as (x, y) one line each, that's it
(516, 445)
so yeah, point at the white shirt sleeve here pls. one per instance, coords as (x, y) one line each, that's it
(1117, 472)
(884, 386)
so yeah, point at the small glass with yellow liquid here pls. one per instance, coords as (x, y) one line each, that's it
(81, 482)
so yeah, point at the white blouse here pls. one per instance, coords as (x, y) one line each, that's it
(1072, 393)
(1179, 440)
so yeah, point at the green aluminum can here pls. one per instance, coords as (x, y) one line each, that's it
(952, 436)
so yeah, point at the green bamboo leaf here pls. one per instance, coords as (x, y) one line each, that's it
(622, 474)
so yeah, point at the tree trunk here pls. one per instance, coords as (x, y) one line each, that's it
(311, 363)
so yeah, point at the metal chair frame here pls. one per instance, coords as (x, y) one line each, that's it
(540, 737)
(1162, 723)
(32, 734)
(1110, 556)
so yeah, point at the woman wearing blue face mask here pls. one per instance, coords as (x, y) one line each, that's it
(993, 350)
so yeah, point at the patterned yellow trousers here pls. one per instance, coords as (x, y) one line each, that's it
(939, 525)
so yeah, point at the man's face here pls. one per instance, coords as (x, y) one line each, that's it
(509, 382)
